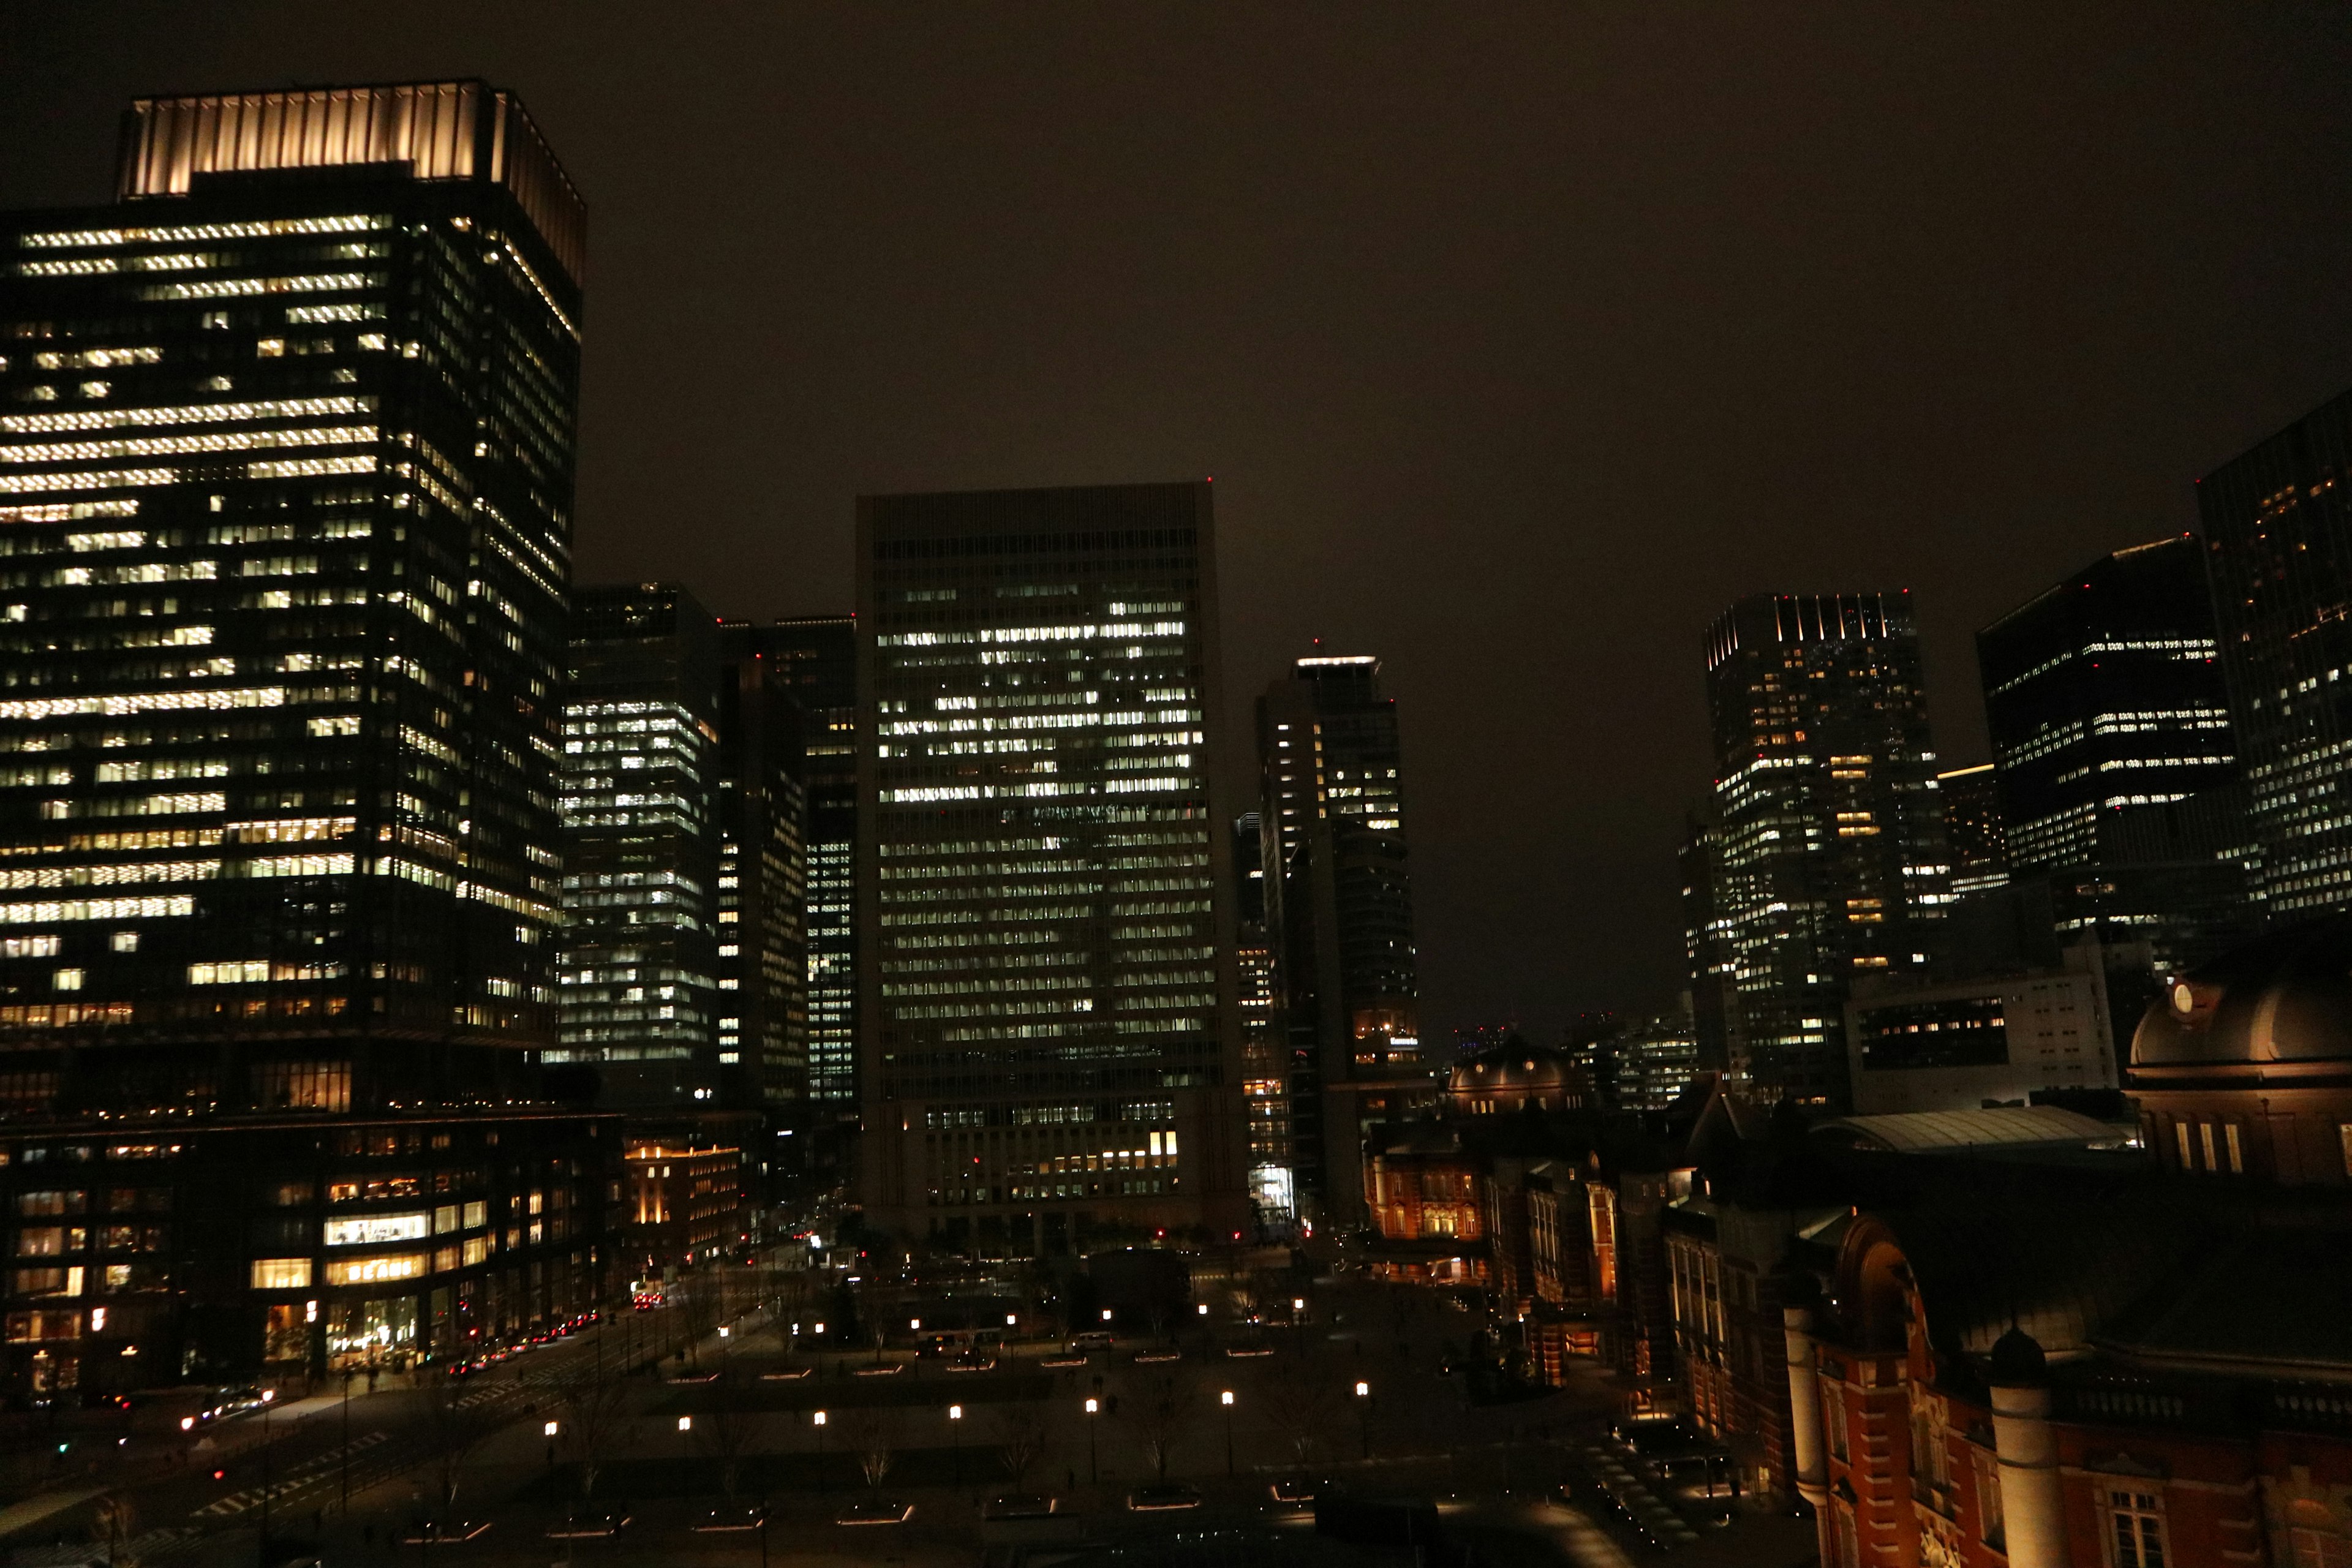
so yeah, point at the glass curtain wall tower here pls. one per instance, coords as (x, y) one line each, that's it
(1266, 1079)
(2278, 532)
(286, 479)
(1338, 906)
(640, 959)
(815, 658)
(763, 1026)
(2110, 724)
(1047, 1019)
(1828, 857)
(285, 471)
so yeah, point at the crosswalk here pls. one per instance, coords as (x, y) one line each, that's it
(298, 1477)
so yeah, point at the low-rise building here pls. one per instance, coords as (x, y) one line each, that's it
(686, 1204)
(1957, 1045)
(149, 1251)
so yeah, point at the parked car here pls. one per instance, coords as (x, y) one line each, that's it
(1162, 1498)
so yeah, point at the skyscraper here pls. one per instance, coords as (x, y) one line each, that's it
(1830, 862)
(289, 434)
(2278, 533)
(640, 955)
(1266, 1079)
(1339, 908)
(1972, 828)
(816, 659)
(285, 466)
(2110, 727)
(1047, 1026)
(763, 810)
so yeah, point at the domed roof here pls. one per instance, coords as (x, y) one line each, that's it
(1514, 1070)
(2018, 1362)
(2285, 997)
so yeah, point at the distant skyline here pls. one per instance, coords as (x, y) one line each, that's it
(1520, 341)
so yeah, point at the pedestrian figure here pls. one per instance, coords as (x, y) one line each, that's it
(1074, 1482)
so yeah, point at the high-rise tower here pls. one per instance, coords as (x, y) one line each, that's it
(1046, 1001)
(285, 460)
(2117, 774)
(641, 808)
(814, 660)
(1828, 860)
(285, 478)
(2278, 533)
(1339, 908)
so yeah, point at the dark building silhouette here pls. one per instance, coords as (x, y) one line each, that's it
(1265, 1078)
(2278, 533)
(814, 659)
(763, 812)
(1048, 1040)
(285, 466)
(2110, 727)
(1827, 857)
(1972, 828)
(1339, 899)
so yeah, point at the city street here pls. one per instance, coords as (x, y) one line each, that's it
(736, 1425)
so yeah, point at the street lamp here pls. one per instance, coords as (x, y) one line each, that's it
(685, 1425)
(1226, 1399)
(1298, 1323)
(816, 1419)
(1364, 1393)
(955, 1431)
(548, 1431)
(1094, 1408)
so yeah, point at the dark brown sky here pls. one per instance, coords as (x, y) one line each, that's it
(1518, 340)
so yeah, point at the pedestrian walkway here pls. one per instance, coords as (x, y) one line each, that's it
(32, 1511)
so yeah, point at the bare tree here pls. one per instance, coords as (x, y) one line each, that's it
(697, 1309)
(724, 1435)
(1024, 1431)
(114, 1524)
(457, 1422)
(872, 1434)
(1166, 1409)
(590, 1421)
(1302, 1397)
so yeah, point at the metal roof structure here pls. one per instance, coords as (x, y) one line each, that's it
(1950, 1132)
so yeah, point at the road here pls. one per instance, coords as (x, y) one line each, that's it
(1294, 1412)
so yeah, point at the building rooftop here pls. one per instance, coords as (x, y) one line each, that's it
(1951, 1132)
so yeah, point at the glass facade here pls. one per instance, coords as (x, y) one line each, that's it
(1044, 1017)
(815, 661)
(286, 470)
(1340, 912)
(2112, 742)
(762, 807)
(1828, 857)
(2278, 532)
(642, 919)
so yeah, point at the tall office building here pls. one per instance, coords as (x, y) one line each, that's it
(1047, 1026)
(287, 462)
(1338, 907)
(640, 953)
(762, 808)
(1830, 861)
(2278, 532)
(1973, 829)
(2110, 726)
(1266, 1079)
(286, 470)
(815, 658)
(1707, 955)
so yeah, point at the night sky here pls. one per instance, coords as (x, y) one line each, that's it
(1518, 341)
